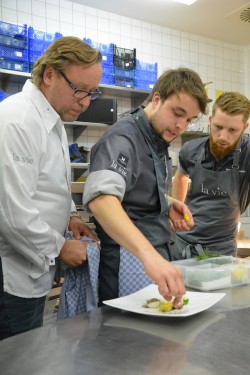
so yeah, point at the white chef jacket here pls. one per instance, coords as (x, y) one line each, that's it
(35, 198)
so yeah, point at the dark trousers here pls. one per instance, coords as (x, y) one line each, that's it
(18, 314)
(109, 272)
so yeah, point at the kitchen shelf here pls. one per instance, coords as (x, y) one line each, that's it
(7, 76)
(78, 127)
(79, 165)
(77, 187)
(81, 124)
(12, 76)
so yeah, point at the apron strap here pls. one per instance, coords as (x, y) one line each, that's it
(191, 250)
(236, 159)
(161, 166)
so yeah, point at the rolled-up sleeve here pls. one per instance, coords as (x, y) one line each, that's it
(113, 166)
(103, 182)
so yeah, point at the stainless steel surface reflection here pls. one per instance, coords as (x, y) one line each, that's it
(109, 341)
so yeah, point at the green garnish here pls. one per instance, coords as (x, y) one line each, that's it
(207, 254)
(185, 301)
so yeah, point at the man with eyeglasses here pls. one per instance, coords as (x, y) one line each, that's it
(36, 206)
(219, 170)
(130, 172)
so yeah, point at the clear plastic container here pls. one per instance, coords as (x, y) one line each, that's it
(214, 273)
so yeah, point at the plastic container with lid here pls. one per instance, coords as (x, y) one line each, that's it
(214, 273)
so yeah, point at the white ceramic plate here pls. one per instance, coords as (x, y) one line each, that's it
(198, 302)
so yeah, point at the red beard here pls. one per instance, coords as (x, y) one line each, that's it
(218, 151)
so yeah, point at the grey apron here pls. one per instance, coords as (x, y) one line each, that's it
(156, 227)
(213, 200)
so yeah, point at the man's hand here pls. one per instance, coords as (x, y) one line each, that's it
(80, 229)
(180, 216)
(168, 278)
(73, 253)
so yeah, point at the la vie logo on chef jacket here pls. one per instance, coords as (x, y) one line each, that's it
(214, 192)
(120, 164)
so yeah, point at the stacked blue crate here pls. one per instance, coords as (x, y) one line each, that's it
(107, 60)
(3, 95)
(145, 75)
(124, 66)
(38, 41)
(13, 47)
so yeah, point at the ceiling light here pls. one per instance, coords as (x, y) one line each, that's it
(186, 2)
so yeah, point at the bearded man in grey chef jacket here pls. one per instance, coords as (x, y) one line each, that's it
(36, 205)
(219, 169)
(130, 171)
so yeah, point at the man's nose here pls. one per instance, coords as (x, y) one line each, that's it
(85, 102)
(223, 134)
(182, 124)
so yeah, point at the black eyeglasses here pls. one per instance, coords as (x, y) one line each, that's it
(81, 94)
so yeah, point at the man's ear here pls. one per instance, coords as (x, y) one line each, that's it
(156, 98)
(48, 74)
(246, 125)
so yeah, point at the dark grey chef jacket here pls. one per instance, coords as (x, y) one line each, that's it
(123, 163)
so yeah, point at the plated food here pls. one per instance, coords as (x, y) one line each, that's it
(163, 305)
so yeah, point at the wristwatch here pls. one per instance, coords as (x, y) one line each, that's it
(75, 214)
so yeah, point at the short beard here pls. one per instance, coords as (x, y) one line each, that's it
(219, 152)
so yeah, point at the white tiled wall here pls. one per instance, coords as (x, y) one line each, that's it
(225, 65)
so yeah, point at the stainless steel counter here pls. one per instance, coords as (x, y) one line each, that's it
(108, 341)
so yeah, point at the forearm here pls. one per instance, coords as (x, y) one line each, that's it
(179, 186)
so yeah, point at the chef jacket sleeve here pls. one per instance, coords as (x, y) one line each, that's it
(114, 167)
(21, 224)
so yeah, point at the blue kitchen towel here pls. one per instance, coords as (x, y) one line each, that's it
(132, 276)
(79, 289)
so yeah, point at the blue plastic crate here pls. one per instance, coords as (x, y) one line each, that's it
(12, 53)
(13, 41)
(149, 67)
(144, 85)
(107, 79)
(38, 42)
(34, 55)
(107, 59)
(3, 95)
(42, 35)
(109, 69)
(124, 72)
(145, 75)
(20, 66)
(124, 82)
(36, 48)
(146, 71)
(18, 31)
(105, 49)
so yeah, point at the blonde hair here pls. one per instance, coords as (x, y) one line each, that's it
(175, 81)
(232, 103)
(63, 51)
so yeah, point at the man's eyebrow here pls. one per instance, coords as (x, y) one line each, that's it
(180, 109)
